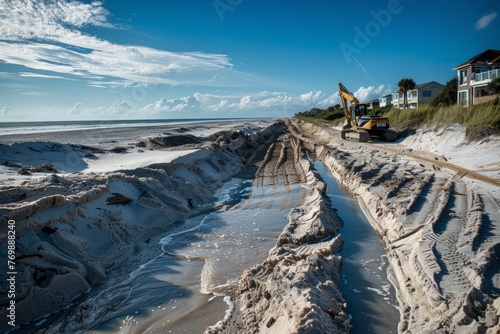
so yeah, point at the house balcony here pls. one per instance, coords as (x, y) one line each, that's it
(485, 77)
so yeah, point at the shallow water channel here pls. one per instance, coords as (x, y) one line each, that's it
(371, 299)
(182, 290)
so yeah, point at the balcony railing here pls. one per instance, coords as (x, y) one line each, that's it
(489, 75)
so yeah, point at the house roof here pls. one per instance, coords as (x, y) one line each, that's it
(418, 86)
(486, 57)
(426, 83)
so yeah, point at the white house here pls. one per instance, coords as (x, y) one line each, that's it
(372, 104)
(422, 93)
(475, 74)
(385, 100)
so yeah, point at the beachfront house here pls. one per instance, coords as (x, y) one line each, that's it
(372, 104)
(474, 75)
(422, 93)
(385, 100)
(313, 112)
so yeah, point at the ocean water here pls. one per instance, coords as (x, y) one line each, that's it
(11, 128)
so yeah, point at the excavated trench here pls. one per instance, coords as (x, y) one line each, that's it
(371, 298)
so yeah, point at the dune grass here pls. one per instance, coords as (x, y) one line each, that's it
(314, 119)
(482, 115)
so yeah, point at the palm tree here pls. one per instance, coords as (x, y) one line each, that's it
(405, 85)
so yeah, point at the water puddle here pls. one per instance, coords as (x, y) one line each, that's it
(371, 299)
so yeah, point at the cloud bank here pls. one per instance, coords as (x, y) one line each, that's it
(265, 103)
(48, 36)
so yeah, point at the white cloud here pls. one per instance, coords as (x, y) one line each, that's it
(484, 21)
(365, 94)
(77, 108)
(178, 104)
(4, 111)
(289, 103)
(259, 104)
(122, 108)
(43, 76)
(45, 35)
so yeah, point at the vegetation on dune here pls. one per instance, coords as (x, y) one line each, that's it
(448, 96)
(333, 114)
(486, 114)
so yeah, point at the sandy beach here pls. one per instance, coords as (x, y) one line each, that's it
(127, 229)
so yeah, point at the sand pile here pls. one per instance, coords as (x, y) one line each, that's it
(297, 288)
(75, 230)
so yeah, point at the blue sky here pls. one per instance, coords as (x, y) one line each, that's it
(119, 59)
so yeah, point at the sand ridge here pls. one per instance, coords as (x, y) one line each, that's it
(442, 233)
(296, 290)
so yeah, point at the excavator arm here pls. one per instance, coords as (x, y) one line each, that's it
(346, 95)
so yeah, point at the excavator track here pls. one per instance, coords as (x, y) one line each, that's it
(386, 134)
(355, 135)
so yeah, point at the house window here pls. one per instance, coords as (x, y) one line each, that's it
(481, 91)
(427, 93)
(463, 77)
(409, 94)
(463, 98)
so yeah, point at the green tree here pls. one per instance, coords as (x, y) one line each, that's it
(404, 86)
(494, 87)
(448, 96)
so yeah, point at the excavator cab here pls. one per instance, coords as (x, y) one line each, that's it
(359, 115)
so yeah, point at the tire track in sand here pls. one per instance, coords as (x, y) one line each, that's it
(442, 233)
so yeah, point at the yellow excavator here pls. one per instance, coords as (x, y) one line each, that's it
(358, 125)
